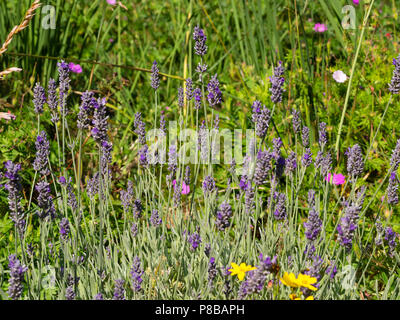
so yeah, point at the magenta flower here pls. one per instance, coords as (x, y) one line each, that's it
(356, 2)
(112, 2)
(185, 187)
(336, 179)
(320, 27)
(75, 67)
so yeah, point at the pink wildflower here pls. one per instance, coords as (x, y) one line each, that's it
(320, 27)
(76, 68)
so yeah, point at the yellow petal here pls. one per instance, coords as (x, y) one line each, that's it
(241, 275)
(310, 298)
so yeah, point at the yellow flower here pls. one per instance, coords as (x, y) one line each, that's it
(306, 281)
(294, 297)
(241, 270)
(289, 280)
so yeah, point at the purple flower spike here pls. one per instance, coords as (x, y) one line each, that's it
(223, 216)
(136, 274)
(17, 271)
(394, 86)
(277, 81)
(214, 93)
(155, 78)
(39, 98)
(200, 47)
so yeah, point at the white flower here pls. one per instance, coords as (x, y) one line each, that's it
(339, 76)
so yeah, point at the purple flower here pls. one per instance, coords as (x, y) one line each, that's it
(214, 93)
(197, 98)
(85, 110)
(155, 78)
(395, 159)
(331, 270)
(140, 128)
(127, 196)
(296, 122)
(209, 185)
(134, 230)
(200, 69)
(194, 240)
(256, 279)
(137, 208)
(291, 163)
(100, 121)
(390, 237)
(92, 187)
(39, 98)
(277, 81)
(261, 118)
(322, 135)
(200, 47)
(212, 271)
(52, 101)
(136, 274)
(119, 290)
(277, 145)
(163, 127)
(76, 68)
(172, 162)
(143, 152)
(392, 193)
(313, 225)
(189, 89)
(42, 154)
(155, 219)
(249, 203)
(307, 158)
(64, 229)
(263, 166)
(394, 86)
(280, 206)
(181, 97)
(305, 137)
(17, 271)
(45, 201)
(348, 222)
(223, 216)
(355, 163)
(64, 86)
(98, 296)
(13, 186)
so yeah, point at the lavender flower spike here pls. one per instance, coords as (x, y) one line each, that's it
(263, 166)
(39, 98)
(277, 81)
(13, 186)
(355, 163)
(42, 153)
(45, 200)
(136, 273)
(52, 101)
(155, 78)
(214, 93)
(64, 80)
(394, 86)
(200, 47)
(223, 215)
(119, 290)
(64, 229)
(17, 272)
(392, 193)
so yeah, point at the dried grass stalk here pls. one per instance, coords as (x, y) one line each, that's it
(25, 22)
